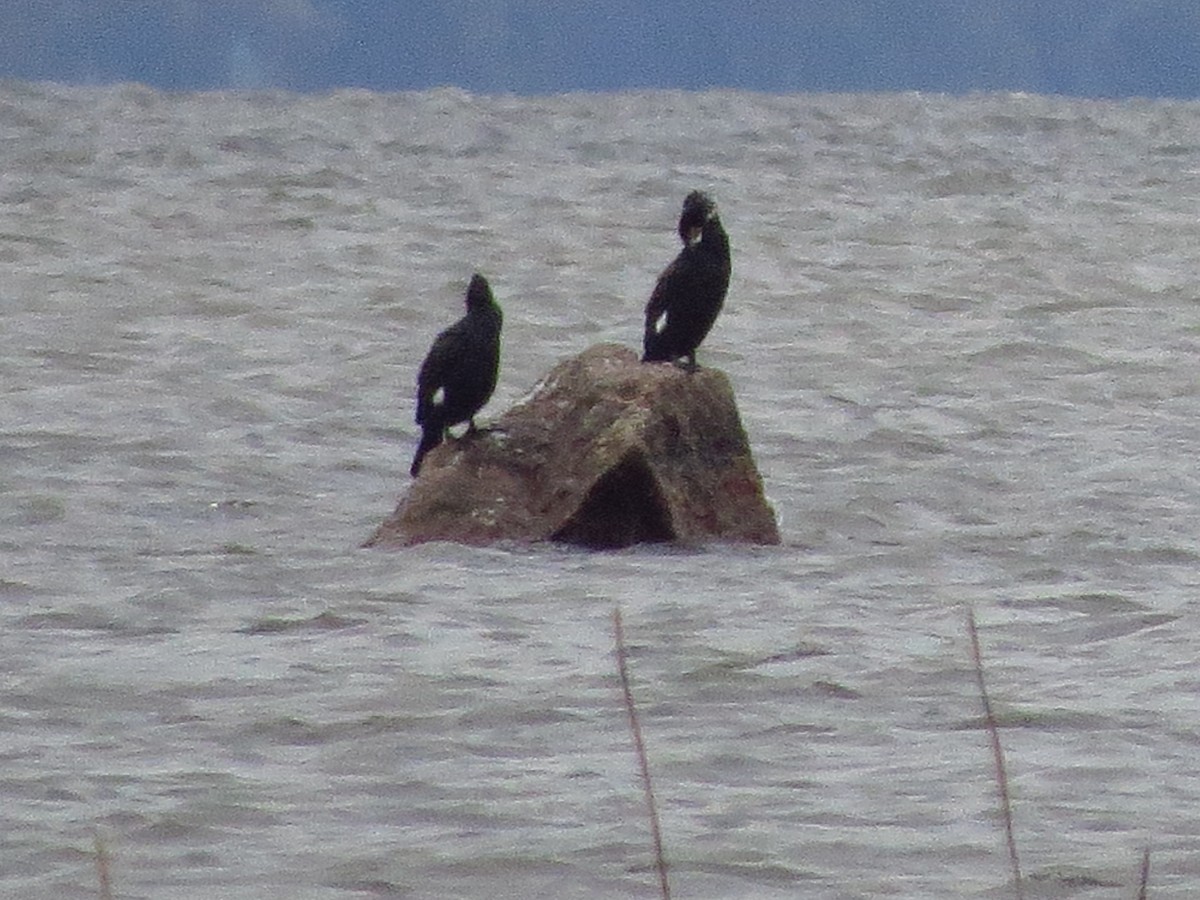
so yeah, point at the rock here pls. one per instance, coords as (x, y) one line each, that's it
(605, 453)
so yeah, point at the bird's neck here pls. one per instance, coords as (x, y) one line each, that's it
(713, 237)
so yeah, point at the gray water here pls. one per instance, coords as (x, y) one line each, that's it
(963, 333)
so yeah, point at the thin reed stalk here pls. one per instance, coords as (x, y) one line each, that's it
(102, 867)
(639, 747)
(1001, 771)
(1145, 879)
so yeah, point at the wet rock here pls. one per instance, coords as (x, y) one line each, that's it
(606, 452)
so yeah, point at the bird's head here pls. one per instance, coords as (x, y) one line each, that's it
(479, 292)
(698, 209)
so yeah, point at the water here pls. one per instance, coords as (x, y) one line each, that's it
(963, 333)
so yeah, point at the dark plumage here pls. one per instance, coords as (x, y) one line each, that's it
(459, 372)
(691, 290)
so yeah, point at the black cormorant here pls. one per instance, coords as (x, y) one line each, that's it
(690, 292)
(459, 373)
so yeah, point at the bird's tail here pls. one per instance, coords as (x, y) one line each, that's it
(431, 436)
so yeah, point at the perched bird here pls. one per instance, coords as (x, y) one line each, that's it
(691, 290)
(459, 373)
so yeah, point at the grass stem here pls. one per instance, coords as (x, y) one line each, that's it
(103, 867)
(639, 747)
(997, 756)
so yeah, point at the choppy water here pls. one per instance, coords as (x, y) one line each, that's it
(964, 336)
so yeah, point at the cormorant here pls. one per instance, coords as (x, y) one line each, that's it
(691, 290)
(459, 373)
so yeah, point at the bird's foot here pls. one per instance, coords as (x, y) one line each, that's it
(473, 430)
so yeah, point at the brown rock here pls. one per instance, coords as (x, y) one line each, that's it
(607, 452)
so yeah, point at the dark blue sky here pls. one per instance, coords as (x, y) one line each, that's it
(1095, 48)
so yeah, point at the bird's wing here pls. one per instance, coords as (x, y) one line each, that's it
(660, 298)
(439, 364)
